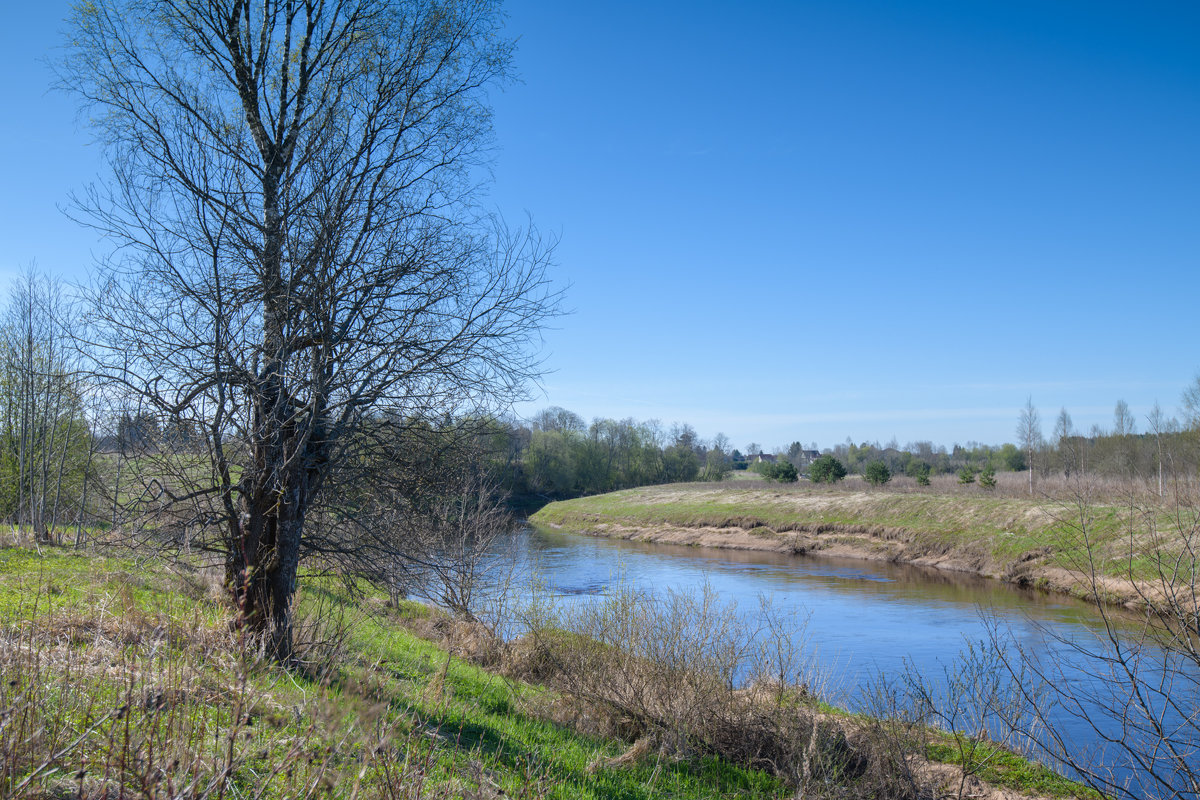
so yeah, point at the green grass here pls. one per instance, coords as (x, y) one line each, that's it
(85, 636)
(1000, 767)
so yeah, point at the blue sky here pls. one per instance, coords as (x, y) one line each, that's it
(811, 220)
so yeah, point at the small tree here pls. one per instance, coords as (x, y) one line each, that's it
(918, 470)
(1029, 432)
(877, 473)
(716, 466)
(784, 472)
(966, 476)
(826, 469)
(987, 478)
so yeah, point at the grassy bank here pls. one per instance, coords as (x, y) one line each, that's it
(1050, 544)
(125, 680)
(132, 679)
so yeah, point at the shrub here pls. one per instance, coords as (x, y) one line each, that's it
(918, 470)
(987, 478)
(877, 473)
(966, 475)
(662, 673)
(784, 472)
(716, 467)
(826, 469)
(1012, 457)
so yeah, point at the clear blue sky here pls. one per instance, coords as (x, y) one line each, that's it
(811, 220)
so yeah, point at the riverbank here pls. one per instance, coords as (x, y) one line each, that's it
(1071, 547)
(121, 678)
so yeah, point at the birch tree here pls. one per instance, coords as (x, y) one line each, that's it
(1158, 426)
(1124, 430)
(1064, 433)
(46, 445)
(1029, 434)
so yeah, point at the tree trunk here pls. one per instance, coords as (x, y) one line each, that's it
(261, 568)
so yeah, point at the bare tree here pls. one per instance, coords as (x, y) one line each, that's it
(46, 444)
(1124, 428)
(1064, 434)
(1140, 698)
(1029, 433)
(444, 553)
(300, 273)
(1191, 404)
(1158, 426)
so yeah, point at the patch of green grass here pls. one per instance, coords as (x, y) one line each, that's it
(1001, 767)
(109, 634)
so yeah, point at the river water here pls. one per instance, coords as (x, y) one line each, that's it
(862, 619)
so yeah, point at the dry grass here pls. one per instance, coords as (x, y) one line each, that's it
(666, 675)
(117, 683)
(1060, 544)
(110, 700)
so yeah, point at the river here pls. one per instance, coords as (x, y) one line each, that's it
(862, 618)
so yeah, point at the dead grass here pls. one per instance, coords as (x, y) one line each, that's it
(1037, 542)
(112, 689)
(108, 699)
(661, 675)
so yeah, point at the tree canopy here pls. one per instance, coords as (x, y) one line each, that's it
(301, 271)
(826, 469)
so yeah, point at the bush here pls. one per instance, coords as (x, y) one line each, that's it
(966, 475)
(1012, 458)
(826, 469)
(987, 478)
(661, 673)
(918, 470)
(716, 467)
(877, 473)
(784, 472)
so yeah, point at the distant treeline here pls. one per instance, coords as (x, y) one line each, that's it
(70, 446)
(1168, 449)
(557, 455)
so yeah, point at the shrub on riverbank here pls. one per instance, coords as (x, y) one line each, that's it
(666, 672)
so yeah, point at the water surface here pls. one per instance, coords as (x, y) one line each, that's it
(863, 618)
